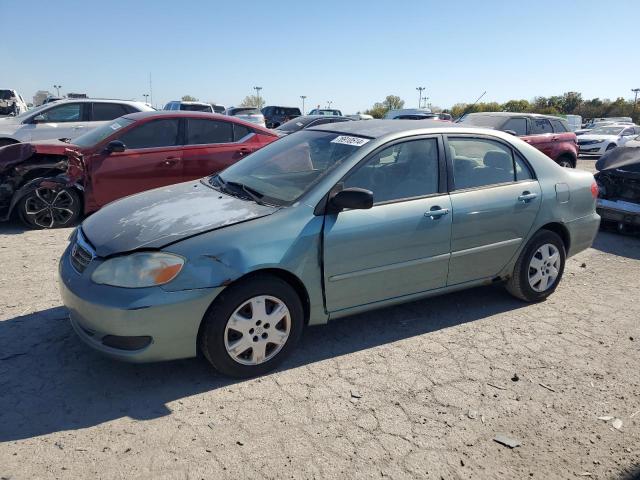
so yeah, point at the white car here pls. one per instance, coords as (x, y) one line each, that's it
(605, 138)
(11, 102)
(248, 114)
(64, 119)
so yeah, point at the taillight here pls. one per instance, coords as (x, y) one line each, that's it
(594, 190)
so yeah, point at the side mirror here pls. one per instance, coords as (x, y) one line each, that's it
(352, 198)
(511, 132)
(115, 146)
(39, 119)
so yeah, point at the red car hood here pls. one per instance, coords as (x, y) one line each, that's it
(55, 147)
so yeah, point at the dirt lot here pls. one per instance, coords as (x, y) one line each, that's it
(419, 390)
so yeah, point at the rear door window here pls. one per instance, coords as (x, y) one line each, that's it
(240, 131)
(558, 126)
(518, 125)
(204, 132)
(480, 162)
(153, 134)
(541, 125)
(107, 111)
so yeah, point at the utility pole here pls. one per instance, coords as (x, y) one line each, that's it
(150, 89)
(257, 89)
(57, 87)
(303, 97)
(635, 100)
(329, 102)
(146, 97)
(420, 90)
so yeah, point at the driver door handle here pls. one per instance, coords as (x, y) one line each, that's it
(436, 212)
(244, 151)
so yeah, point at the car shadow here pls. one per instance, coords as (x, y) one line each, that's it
(618, 244)
(51, 382)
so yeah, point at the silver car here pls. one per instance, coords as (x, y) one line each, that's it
(323, 223)
(248, 114)
(64, 119)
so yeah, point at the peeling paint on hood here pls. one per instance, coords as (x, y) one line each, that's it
(165, 215)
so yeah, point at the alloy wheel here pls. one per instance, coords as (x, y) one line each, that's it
(257, 330)
(49, 208)
(544, 267)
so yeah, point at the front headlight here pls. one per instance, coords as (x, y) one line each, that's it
(142, 269)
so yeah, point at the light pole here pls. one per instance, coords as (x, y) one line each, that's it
(420, 90)
(303, 97)
(329, 102)
(57, 87)
(257, 89)
(635, 100)
(146, 97)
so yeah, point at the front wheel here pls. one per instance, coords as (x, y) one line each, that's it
(50, 208)
(539, 268)
(252, 326)
(566, 162)
(610, 147)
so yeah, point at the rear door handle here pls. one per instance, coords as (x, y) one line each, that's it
(436, 212)
(169, 161)
(244, 151)
(526, 197)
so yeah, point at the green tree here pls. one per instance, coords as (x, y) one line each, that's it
(393, 102)
(571, 101)
(189, 98)
(517, 106)
(252, 101)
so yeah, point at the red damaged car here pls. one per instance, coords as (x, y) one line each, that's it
(52, 183)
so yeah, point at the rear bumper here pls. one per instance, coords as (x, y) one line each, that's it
(582, 232)
(619, 211)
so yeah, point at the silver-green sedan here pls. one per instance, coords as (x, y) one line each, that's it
(321, 224)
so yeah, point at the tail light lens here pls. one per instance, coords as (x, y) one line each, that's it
(594, 190)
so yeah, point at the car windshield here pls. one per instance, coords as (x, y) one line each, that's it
(34, 111)
(245, 111)
(284, 170)
(6, 94)
(491, 121)
(95, 136)
(191, 107)
(607, 131)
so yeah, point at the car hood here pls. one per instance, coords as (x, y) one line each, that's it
(156, 218)
(598, 137)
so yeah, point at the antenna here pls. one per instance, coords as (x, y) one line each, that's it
(466, 110)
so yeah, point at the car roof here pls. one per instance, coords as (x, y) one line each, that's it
(184, 102)
(514, 114)
(380, 128)
(98, 100)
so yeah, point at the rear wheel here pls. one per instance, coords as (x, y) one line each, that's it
(566, 162)
(5, 142)
(252, 326)
(50, 208)
(539, 267)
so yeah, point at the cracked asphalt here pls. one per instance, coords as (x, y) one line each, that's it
(415, 391)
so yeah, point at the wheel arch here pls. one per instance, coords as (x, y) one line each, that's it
(561, 231)
(282, 274)
(29, 186)
(7, 141)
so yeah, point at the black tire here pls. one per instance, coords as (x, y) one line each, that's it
(566, 162)
(212, 334)
(65, 208)
(610, 147)
(518, 285)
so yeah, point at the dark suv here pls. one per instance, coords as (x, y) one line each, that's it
(275, 116)
(551, 135)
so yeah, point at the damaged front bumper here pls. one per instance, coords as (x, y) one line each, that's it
(619, 211)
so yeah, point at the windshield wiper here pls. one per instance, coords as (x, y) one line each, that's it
(253, 194)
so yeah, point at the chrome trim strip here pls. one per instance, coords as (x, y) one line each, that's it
(384, 268)
(483, 248)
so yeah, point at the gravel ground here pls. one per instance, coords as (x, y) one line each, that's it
(415, 391)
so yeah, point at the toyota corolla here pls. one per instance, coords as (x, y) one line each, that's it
(324, 223)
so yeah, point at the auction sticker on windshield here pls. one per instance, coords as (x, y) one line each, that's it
(347, 140)
(115, 126)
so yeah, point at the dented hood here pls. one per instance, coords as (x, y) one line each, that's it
(624, 161)
(165, 215)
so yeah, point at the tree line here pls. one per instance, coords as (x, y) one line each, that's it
(569, 103)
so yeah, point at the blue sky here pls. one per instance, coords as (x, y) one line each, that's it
(351, 52)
